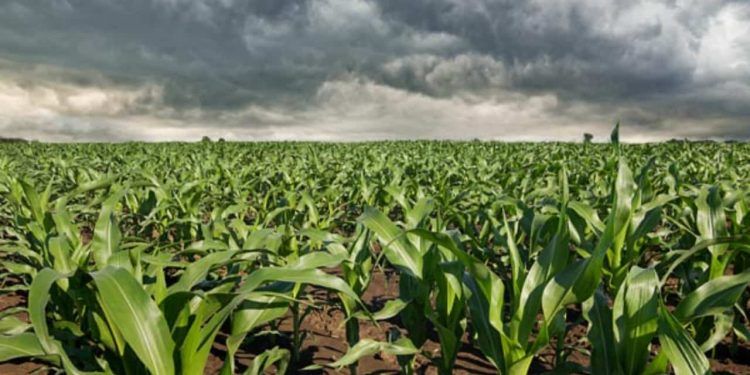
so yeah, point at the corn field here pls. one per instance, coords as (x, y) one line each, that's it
(162, 258)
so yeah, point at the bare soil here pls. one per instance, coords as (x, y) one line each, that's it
(325, 342)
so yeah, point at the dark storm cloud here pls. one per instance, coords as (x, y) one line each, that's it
(341, 69)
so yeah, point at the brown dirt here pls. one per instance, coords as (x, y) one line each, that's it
(11, 300)
(20, 366)
(325, 341)
(326, 338)
(726, 362)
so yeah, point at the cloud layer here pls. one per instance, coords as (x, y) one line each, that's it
(365, 69)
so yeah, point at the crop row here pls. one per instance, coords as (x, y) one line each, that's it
(135, 258)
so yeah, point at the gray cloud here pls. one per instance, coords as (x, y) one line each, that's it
(366, 69)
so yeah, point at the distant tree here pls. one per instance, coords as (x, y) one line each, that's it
(12, 140)
(587, 137)
(205, 139)
(222, 140)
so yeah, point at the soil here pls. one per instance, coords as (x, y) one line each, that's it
(20, 366)
(325, 342)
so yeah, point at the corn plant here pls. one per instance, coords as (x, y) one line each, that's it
(134, 258)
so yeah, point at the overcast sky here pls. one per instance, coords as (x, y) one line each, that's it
(373, 69)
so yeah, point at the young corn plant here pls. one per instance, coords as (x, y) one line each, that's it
(109, 317)
(426, 273)
(357, 272)
(548, 286)
(621, 335)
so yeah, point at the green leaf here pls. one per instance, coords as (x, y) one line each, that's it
(721, 325)
(368, 347)
(107, 234)
(710, 218)
(658, 366)
(518, 267)
(281, 274)
(20, 346)
(391, 309)
(61, 251)
(204, 325)
(292, 275)
(739, 241)
(35, 202)
(317, 259)
(64, 222)
(713, 297)
(12, 325)
(420, 211)
(711, 221)
(480, 310)
(398, 250)
(197, 271)
(275, 356)
(552, 259)
(487, 282)
(137, 317)
(256, 310)
(578, 281)
(603, 353)
(635, 315)
(588, 214)
(622, 212)
(39, 297)
(684, 354)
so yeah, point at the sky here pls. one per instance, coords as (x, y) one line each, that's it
(352, 70)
